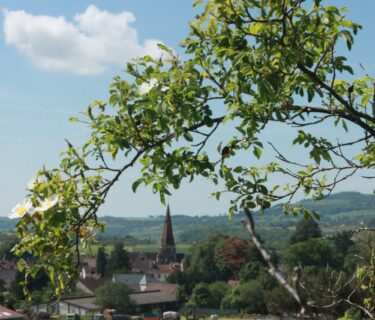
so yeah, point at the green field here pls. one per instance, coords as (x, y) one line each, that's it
(181, 248)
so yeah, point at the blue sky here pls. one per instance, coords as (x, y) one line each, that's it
(58, 72)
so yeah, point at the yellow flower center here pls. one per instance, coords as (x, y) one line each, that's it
(48, 203)
(21, 211)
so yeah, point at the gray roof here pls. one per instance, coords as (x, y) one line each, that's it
(133, 279)
(86, 303)
(92, 283)
(139, 299)
(152, 297)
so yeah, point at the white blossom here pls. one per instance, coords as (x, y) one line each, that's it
(21, 209)
(145, 87)
(47, 203)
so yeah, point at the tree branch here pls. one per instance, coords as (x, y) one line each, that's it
(250, 226)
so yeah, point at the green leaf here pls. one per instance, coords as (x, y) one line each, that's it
(348, 37)
(344, 125)
(257, 152)
(162, 198)
(208, 121)
(188, 136)
(365, 100)
(73, 119)
(238, 169)
(52, 274)
(136, 184)
(165, 48)
(255, 27)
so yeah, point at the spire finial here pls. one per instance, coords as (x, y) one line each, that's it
(167, 236)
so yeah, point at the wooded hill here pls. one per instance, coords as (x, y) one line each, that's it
(339, 211)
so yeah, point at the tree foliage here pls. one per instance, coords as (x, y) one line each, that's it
(312, 252)
(219, 258)
(36, 283)
(203, 262)
(101, 261)
(234, 253)
(306, 229)
(248, 297)
(201, 295)
(270, 64)
(115, 295)
(118, 261)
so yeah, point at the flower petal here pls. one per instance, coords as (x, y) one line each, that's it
(48, 203)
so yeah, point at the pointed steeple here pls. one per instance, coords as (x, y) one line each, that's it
(167, 236)
(167, 253)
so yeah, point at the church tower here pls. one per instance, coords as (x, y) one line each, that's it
(167, 253)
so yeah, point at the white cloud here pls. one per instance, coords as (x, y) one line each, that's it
(88, 44)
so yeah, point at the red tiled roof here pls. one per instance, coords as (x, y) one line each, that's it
(162, 268)
(166, 268)
(89, 261)
(10, 314)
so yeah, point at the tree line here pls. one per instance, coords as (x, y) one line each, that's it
(326, 268)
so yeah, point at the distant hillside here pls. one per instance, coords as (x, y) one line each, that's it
(7, 224)
(339, 211)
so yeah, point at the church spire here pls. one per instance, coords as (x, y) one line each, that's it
(167, 236)
(167, 253)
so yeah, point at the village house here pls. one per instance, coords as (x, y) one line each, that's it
(143, 302)
(137, 282)
(7, 314)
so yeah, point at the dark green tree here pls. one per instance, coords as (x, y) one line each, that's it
(179, 277)
(9, 241)
(204, 264)
(118, 261)
(101, 261)
(251, 271)
(37, 283)
(248, 297)
(342, 242)
(201, 295)
(181, 293)
(279, 301)
(115, 295)
(306, 228)
(314, 253)
(184, 280)
(217, 291)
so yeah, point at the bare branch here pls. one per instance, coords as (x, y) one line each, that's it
(250, 226)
